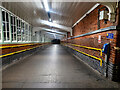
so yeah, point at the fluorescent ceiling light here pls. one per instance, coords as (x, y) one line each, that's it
(49, 30)
(50, 19)
(53, 31)
(86, 14)
(54, 36)
(37, 3)
(46, 5)
(34, 12)
(69, 29)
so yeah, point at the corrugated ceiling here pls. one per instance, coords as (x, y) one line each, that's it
(63, 13)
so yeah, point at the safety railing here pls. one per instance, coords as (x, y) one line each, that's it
(9, 54)
(97, 49)
(14, 46)
(99, 59)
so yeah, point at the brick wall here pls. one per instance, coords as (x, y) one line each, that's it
(92, 41)
(89, 24)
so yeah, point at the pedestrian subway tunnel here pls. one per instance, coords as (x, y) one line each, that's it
(43, 45)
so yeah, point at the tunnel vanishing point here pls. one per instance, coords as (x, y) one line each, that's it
(59, 44)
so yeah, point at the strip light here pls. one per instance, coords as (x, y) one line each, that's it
(51, 24)
(50, 19)
(86, 13)
(54, 36)
(46, 5)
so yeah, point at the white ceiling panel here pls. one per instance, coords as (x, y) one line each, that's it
(63, 14)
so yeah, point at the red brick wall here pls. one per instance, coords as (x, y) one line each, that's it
(118, 45)
(89, 24)
(92, 41)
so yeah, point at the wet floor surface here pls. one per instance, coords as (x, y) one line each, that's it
(53, 67)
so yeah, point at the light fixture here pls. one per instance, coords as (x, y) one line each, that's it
(46, 5)
(51, 24)
(34, 12)
(53, 31)
(50, 20)
(54, 36)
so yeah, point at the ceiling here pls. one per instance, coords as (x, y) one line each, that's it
(62, 13)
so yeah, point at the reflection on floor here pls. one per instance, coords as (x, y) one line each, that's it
(53, 68)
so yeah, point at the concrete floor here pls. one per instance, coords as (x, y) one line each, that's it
(53, 68)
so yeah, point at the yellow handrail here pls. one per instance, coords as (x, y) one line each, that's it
(2, 47)
(87, 55)
(18, 51)
(97, 49)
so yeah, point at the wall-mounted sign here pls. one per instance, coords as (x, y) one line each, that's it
(99, 39)
(110, 35)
